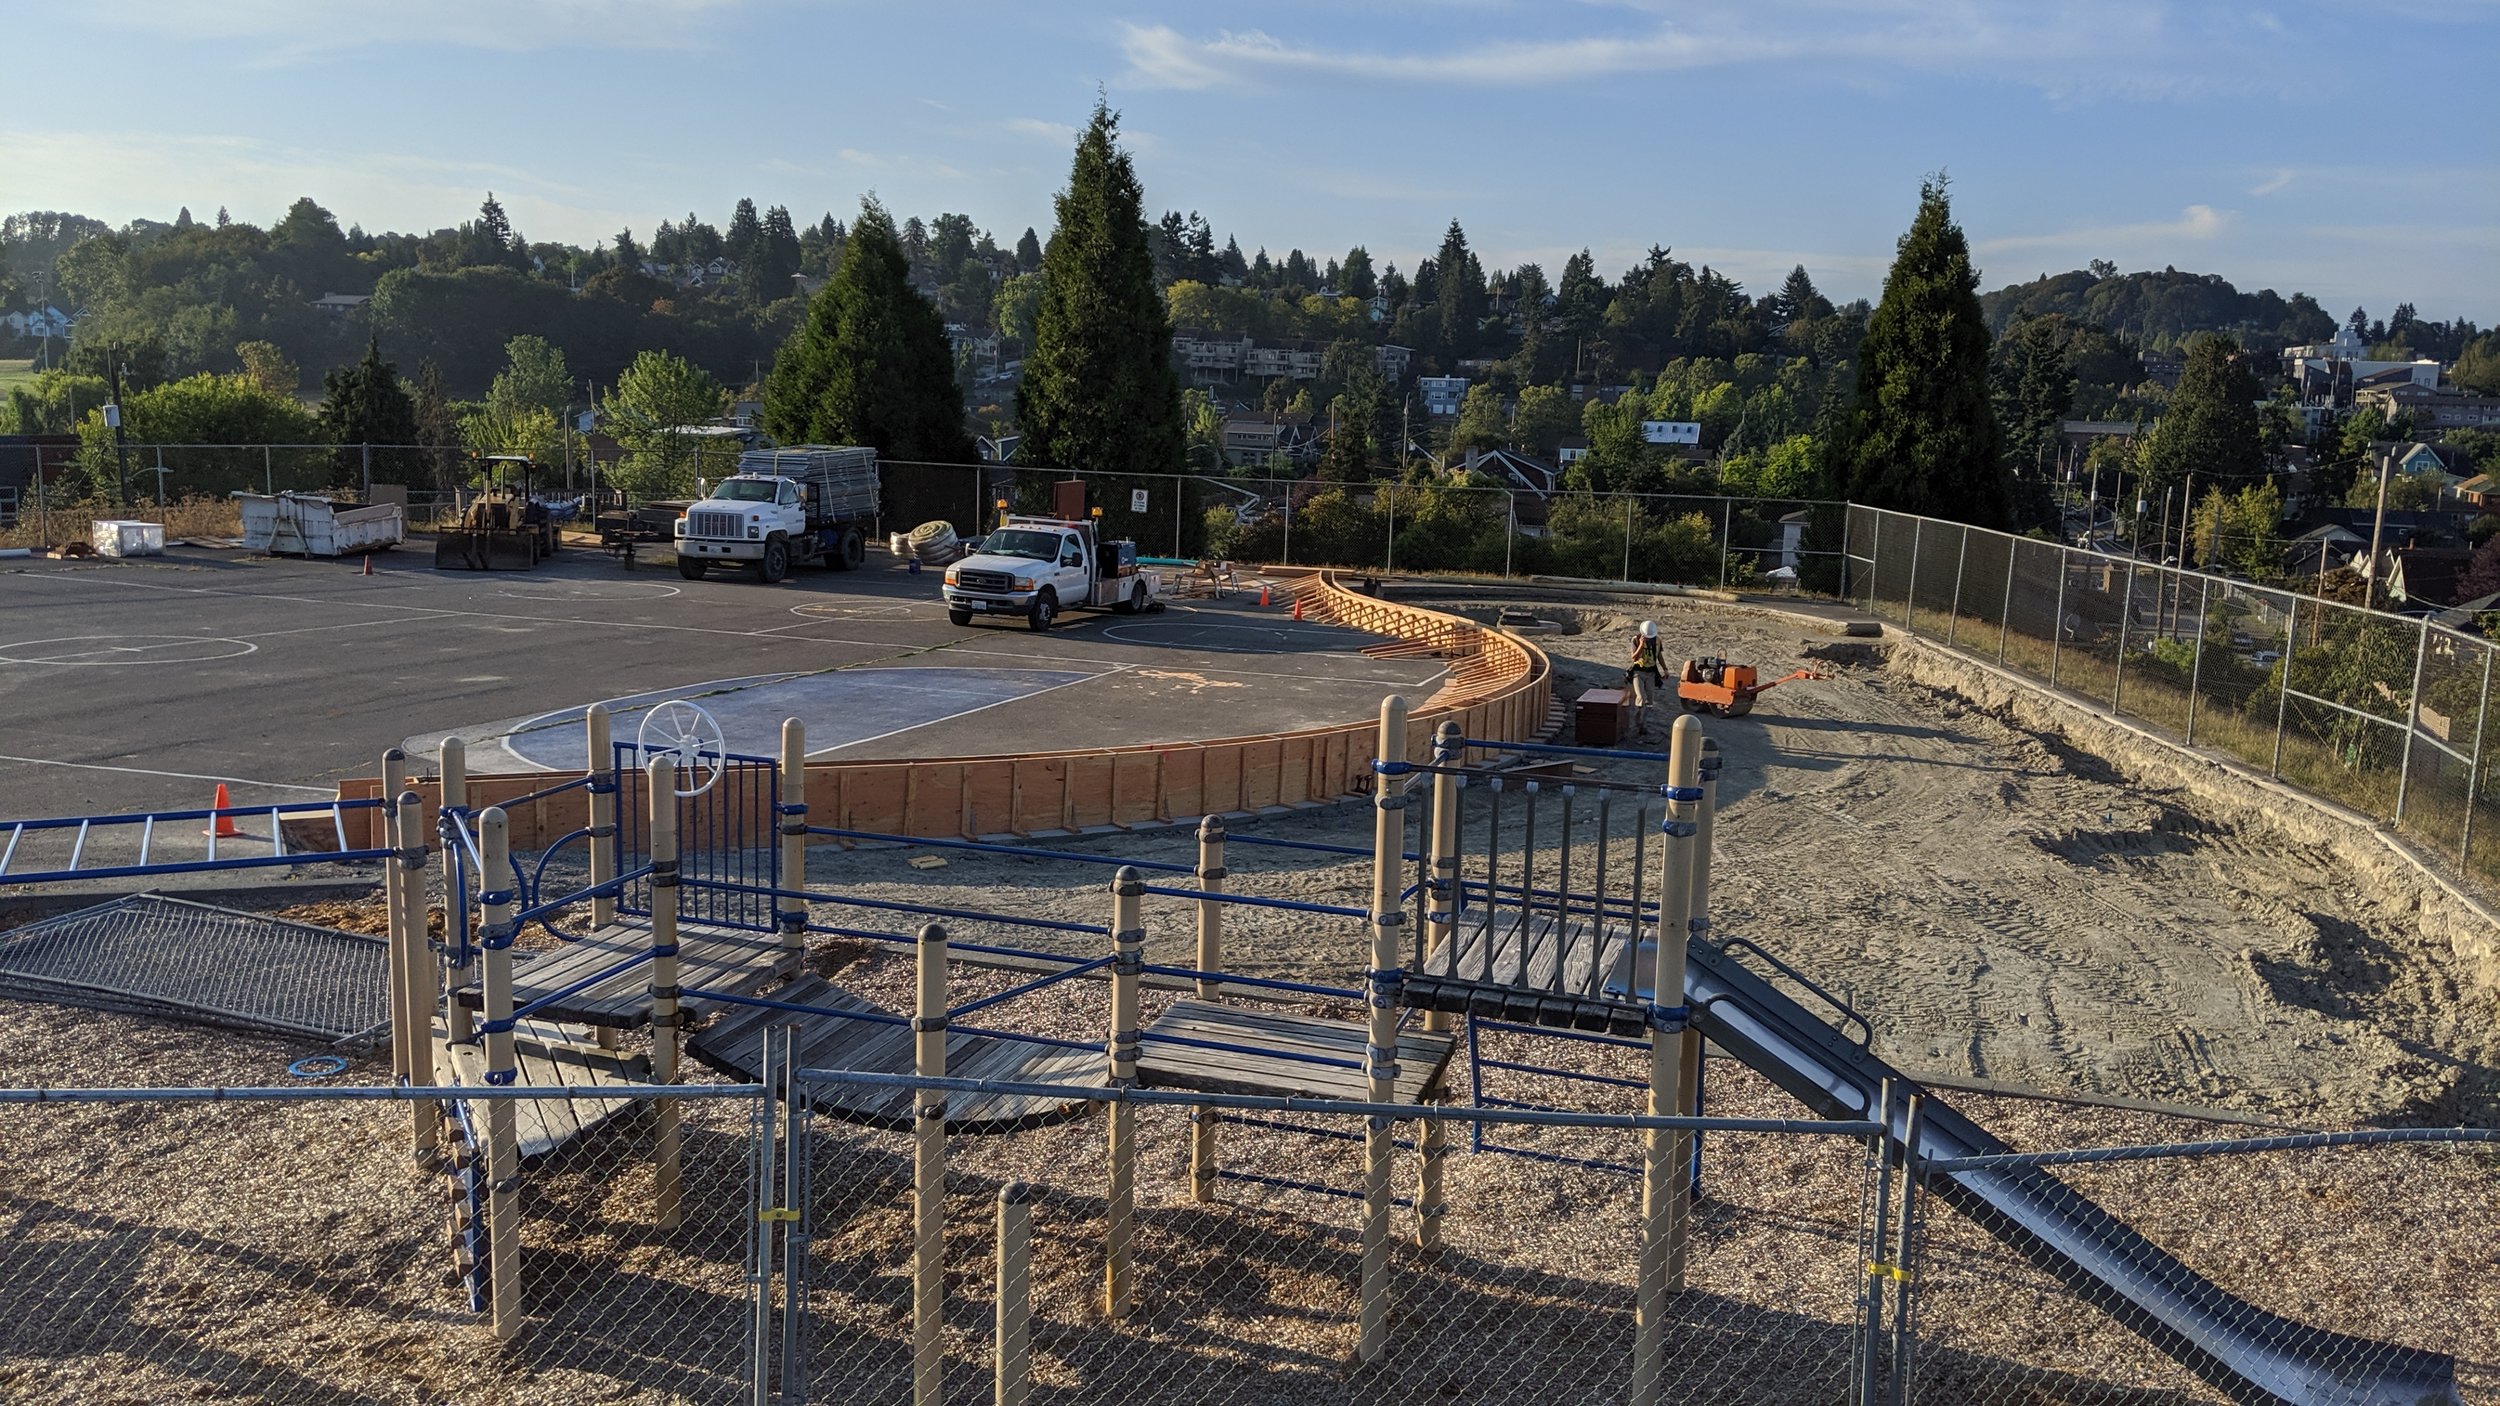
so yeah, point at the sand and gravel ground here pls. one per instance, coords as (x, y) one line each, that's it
(1995, 905)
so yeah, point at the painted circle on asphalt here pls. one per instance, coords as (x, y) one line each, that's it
(827, 610)
(96, 651)
(593, 590)
(1232, 639)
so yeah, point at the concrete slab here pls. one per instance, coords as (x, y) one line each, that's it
(140, 685)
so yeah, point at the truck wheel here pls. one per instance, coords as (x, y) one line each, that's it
(775, 566)
(959, 618)
(850, 553)
(1045, 609)
(1128, 603)
(692, 568)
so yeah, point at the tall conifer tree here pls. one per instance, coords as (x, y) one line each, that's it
(1921, 436)
(1099, 395)
(870, 364)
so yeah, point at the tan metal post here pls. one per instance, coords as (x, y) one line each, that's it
(928, 1176)
(665, 1036)
(422, 992)
(452, 761)
(503, 1143)
(1380, 1058)
(793, 818)
(1014, 1327)
(604, 776)
(1211, 874)
(405, 1041)
(1662, 1180)
(1128, 948)
(1440, 925)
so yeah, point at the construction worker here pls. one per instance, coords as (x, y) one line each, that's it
(1646, 677)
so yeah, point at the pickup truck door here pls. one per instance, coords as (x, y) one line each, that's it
(1073, 576)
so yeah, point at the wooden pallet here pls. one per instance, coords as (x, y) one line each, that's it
(717, 958)
(734, 1044)
(1279, 1036)
(548, 1056)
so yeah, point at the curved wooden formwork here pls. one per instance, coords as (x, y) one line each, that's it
(1499, 687)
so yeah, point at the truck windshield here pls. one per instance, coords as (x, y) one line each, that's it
(747, 490)
(1021, 542)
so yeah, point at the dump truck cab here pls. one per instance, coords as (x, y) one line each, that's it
(1037, 567)
(805, 505)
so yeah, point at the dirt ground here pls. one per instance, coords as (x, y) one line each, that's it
(1997, 905)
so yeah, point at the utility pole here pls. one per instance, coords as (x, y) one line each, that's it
(121, 444)
(2378, 528)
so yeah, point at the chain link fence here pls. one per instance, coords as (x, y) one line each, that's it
(2383, 713)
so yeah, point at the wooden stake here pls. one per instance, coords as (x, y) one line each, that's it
(665, 1035)
(1380, 984)
(421, 990)
(503, 1143)
(1015, 1295)
(793, 911)
(928, 1176)
(1663, 1180)
(1440, 923)
(408, 1045)
(1211, 874)
(1128, 947)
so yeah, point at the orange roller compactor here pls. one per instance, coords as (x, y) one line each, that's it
(1726, 690)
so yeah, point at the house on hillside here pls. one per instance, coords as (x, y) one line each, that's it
(340, 304)
(2323, 549)
(1442, 395)
(1252, 441)
(2434, 409)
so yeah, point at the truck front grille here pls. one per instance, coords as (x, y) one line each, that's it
(985, 581)
(713, 525)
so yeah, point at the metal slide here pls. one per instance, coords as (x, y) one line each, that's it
(2245, 1352)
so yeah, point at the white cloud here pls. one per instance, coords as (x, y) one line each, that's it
(2273, 183)
(1865, 39)
(296, 31)
(2198, 223)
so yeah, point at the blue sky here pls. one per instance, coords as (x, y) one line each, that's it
(2349, 150)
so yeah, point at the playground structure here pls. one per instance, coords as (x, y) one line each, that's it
(1495, 940)
(699, 906)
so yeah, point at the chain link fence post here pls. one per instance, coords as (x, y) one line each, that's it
(2126, 620)
(2057, 614)
(2413, 722)
(2474, 769)
(1909, 593)
(2196, 663)
(1727, 525)
(2005, 611)
(2283, 686)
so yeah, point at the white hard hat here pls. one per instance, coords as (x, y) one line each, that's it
(1649, 629)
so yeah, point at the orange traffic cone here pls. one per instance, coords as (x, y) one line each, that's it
(1297, 607)
(225, 828)
(368, 565)
(1262, 594)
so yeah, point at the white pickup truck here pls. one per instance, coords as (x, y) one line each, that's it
(1036, 567)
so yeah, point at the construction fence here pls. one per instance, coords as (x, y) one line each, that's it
(281, 1246)
(2383, 713)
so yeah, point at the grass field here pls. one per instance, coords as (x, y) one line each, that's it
(13, 373)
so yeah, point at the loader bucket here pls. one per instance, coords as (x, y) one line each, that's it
(458, 551)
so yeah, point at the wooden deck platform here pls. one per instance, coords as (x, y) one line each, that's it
(1163, 1064)
(734, 1045)
(1536, 968)
(725, 959)
(548, 1056)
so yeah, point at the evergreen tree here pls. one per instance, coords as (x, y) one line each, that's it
(1921, 436)
(1354, 278)
(1099, 393)
(365, 404)
(745, 239)
(776, 258)
(871, 363)
(1028, 252)
(1461, 294)
(2210, 427)
(628, 253)
(2033, 381)
(1233, 266)
(438, 427)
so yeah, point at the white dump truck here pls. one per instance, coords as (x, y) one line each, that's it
(810, 504)
(1037, 567)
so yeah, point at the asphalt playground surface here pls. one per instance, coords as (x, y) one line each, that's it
(139, 685)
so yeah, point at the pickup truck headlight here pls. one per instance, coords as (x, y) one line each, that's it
(754, 532)
(1024, 583)
(950, 576)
